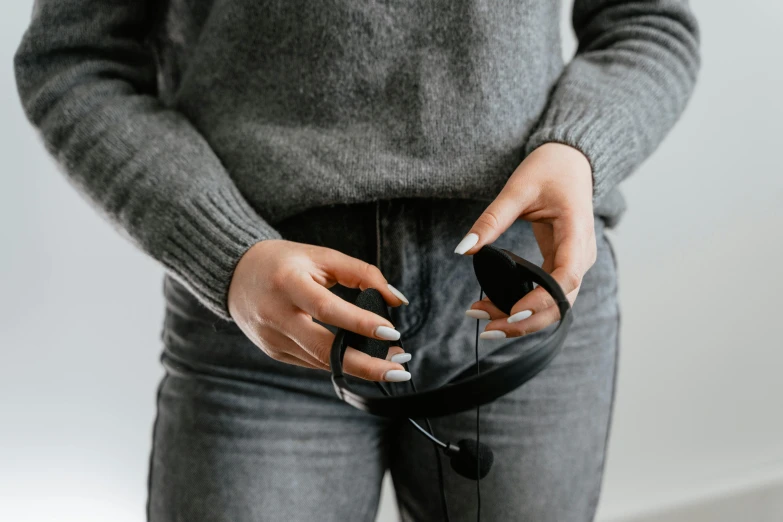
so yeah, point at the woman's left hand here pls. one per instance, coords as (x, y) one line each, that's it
(553, 189)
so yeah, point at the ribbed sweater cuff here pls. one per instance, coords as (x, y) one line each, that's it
(207, 241)
(601, 135)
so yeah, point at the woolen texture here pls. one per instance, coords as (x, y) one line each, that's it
(195, 126)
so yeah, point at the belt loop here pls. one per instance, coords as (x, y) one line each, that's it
(378, 234)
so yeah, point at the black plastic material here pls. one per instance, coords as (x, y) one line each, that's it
(478, 389)
(500, 279)
(371, 300)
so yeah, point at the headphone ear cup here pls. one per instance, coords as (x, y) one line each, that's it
(500, 277)
(372, 301)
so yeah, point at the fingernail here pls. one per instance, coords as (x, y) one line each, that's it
(493, 334)
(467, 243)
(397, 376)
(398, 294)
(524, 314)
(401, 358)
(477, 314)
(387, 334)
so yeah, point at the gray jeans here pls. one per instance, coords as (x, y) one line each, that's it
(241, 437)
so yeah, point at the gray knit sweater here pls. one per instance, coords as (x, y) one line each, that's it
(195, 125)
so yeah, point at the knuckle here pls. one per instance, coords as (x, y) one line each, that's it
(374, 272)
(258, 327)
(488, 220)
(376, 373)
(571, 278)
(322, 307)
(364, 370)
(367, 324)
(270, 351)
(546, 300)
(279, 279)
(324, 253)
(321, 350)
(257, 320)
(369, 274)
(261, 339)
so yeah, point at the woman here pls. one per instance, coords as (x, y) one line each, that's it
(265, 151)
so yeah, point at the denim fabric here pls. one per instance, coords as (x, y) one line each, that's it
(241, 437)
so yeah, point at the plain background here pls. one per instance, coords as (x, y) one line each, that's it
(698, 414)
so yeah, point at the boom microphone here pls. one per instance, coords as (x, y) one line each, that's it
(467, 458)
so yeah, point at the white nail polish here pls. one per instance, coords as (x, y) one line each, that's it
(493, 334)
(397, 376)
(477, 314)
(398, 294)
(387, 334)
(401, 358)
(524, 314)
(467, 243)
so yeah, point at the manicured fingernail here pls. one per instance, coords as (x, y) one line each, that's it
(397, 376)
(524, 314)
(398, 294)
(467, 243)
(477, 314)
(386, 333)
(493, 334)
(401, 358)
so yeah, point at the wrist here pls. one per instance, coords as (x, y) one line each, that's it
(575, 161)
(244, 271)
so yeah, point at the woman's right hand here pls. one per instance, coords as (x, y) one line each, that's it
(279, 286)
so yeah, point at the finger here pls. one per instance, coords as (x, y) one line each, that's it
(484, 310)
(498, 216)
(364, 366)
(394, 350)
(568, 265)
(290, 359)
(538, 309)
(329, 308)
(286, 348)
(355, 273)
(317, 341)
(502, 328)
(534, 303)
(398, 355)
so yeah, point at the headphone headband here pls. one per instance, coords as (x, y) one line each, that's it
(475, 390)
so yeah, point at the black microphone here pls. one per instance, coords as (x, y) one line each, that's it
(467, 458)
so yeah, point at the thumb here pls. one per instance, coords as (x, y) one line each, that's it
(495, 220)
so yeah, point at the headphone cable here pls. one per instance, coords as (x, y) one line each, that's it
(430, 434)
(441, 482)
(436, 444)
(478, 432)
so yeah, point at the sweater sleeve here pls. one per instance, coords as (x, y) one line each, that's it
(633, 72)
(88, 83)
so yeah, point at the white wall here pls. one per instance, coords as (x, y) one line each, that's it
(79, 320)
(698, 411)
(700, 404)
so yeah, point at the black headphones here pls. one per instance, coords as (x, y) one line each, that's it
(505, 278)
